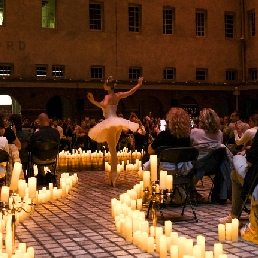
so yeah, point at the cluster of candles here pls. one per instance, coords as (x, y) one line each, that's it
(121, 167)
(20, 203)
(131, 224)
(228, 231)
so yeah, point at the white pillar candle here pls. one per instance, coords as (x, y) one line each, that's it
(158, 233)
(17, 168)
(174, 238)
(169, 182)
(163, 246)
(5, 192)
(218, 249)
(221, 232)
(128, 230)
(208, 254)
(30, 251)
(152, 231)
(181, 246)
(168, 243)
(136, 235)
(22, 188)
(168, 228)
(188, 247)
(153, 167)
(146, 179)
(201, 242)
(228, 231)
(144, 238)
(197, 251)
(174, 251)
(32, 185)
(235, 225)
(139, 204)
(162, 180)
(150, 244)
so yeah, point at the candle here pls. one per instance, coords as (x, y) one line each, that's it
(208, 254)
(136, 235)
(169, 182)
(30, 251)
(139, 204)
(235, 225)
(218, 249)
(158, 233)
(174, 238)
(22, 188)
(5, 193)
(17, 168)
(144, 239)
(201, 243)
(174, 251)
(162, 181)
(197, 251)
(150, 247)
(146, 179)
(133, 205)
(181, 246)
(128, 230)
(153, 167)
(32, 185)
(221, 232)
(168, 228)
(188, 247)
(228, 231)
(163, 246)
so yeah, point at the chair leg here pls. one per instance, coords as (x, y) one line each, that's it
(189, 197)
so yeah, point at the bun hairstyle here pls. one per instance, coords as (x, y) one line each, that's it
(110, 82)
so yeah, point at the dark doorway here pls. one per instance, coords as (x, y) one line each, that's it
(54, 107)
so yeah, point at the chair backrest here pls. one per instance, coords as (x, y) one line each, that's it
(179, 154)
(45, 150)
(4, 156)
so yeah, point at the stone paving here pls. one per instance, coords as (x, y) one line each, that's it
(81, 224)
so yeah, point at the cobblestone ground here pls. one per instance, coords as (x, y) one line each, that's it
(81, 224)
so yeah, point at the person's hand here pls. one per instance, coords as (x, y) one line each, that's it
(90, 96)
(140, 80)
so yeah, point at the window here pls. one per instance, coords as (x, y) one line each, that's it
(253, 74)
(252, 23)
(95, 10)
(231, 75)
(48, 13)
(97, 72)
(134, 14)
(1, 12)
(169, 74)
(229, 25)
(134, 72)
(5, 69)
(200, 22)
(201, 74)
(168, 16)
(57, 70)
(41, 70)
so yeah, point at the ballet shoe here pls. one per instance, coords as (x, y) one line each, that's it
(114, 179)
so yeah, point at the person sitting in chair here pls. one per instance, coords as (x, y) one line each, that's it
(46, 133)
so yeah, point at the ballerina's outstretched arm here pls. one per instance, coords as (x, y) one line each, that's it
(93, 101)
(131, 91)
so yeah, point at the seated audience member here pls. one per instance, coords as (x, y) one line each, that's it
(44, 134)
(64, 142)
(3, 146)
(249, 232)
(177, 134)
(238, 182)
(206, 139)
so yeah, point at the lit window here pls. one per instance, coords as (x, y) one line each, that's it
(1, 12)
(252, 22)
(97, 72)
(95, 10)
(168, 14)
(5, 100)
(134, 14)
(41, 70)
(231, 75)
(48, 13)
(200, 22)
(5, 69)
(134, 73)
(201, 74)
(169, 74)
(229, 25)
(57, 70)
(253, 74)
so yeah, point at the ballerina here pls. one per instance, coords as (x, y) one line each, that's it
(109, 130)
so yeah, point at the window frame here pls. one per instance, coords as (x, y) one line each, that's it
(227, 25)
(136, 73)
(201, 30)
(253, 77)
(166, 75)
(101, 16)
(134, 27)
(48, 27)
(7, 65)
(233, 72)
(252, 25)
(3, 8)
(165, 24)
(61, 71)
(97, 67)
(41, 65)
(201, 70)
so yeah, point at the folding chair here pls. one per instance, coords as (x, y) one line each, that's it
(176, 156)
(24, 156)
(44, 153)
(4, 157)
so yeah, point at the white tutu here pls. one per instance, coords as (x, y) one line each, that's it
(112, 124)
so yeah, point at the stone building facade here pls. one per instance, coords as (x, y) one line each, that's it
(193, 54)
